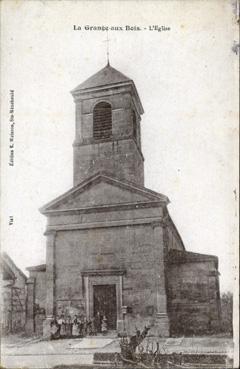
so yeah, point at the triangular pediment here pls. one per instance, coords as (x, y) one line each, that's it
(102, 190)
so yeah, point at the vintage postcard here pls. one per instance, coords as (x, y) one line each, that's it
(119, 211)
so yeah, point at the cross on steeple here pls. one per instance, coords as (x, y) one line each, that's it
(107, 41)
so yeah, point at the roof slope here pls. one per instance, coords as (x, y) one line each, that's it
(106, 76)
(5, 259)
(37, 268)
(178, 257)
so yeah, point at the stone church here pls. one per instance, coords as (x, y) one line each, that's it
(111, 243)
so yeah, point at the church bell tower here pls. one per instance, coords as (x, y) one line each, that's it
(108, 134)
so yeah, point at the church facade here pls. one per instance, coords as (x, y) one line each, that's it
(112, 246)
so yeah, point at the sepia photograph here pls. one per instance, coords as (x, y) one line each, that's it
(119, 184)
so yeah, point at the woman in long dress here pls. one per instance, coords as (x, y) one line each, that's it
(85, 327)
(69, 327)
(81, 327)
(75, 327)
(98, 322)
(62, 327)
(94, 329)
(54, 329)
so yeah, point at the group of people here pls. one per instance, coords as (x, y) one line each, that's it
(79, 326)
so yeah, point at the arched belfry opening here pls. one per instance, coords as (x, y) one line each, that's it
(102, 121)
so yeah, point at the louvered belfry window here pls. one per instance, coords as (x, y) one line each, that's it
(102, 121)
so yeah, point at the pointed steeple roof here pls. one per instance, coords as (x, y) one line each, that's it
(106, 76)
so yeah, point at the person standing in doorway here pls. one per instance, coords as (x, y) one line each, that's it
(104, 325)
(98, 322)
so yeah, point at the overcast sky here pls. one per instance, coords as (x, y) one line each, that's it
(185, 79)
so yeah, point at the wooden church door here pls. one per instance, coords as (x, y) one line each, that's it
(105, 302)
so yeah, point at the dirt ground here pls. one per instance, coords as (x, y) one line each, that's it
(34, 353)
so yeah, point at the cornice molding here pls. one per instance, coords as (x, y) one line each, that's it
(101, 272)
(105, 208)
(106, 224)
(126, 86)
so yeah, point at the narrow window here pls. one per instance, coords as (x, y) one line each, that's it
(102, 121)
(134, 124)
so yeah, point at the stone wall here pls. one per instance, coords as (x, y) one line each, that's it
(94, 249)
(119, 155)
(193, 295)
(121, 158)
(173, 239)
(132, 249)
(36, 299)
(40, 288)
